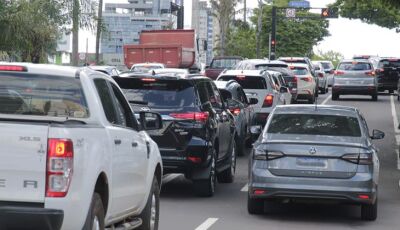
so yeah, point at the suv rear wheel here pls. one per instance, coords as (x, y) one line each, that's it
(254, 205)
(95, 217)
(228, 175)
(206, 187)
(151, 213)
(369, 211)
(335, 96)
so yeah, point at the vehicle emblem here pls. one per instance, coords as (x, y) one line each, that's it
(145, 109)
(312, 150)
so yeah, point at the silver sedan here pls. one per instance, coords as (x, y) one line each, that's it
(322, 153)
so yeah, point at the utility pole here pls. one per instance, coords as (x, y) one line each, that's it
(245, 11)
(99, 28)
(273, 34)
(259, 25)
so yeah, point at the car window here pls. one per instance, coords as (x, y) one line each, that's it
(204, 95)
(354, 66)
(216, 99)
(242, 96)
(300, 70)
(327, 65)
(224, 63)
(247, 82)
(310, 124)
(126, 117)
(106, 100)
(394, 63)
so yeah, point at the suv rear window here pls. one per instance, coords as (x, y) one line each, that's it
(327, 65)
(224, 63)
(309, 124)
(299, 70)
(395, 63)
(158, 92)
(247, 82)
(354, 66)
(42, 95)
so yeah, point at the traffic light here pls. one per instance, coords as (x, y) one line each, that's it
(329, 13)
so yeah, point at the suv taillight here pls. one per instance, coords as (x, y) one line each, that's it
(235, 111)
(197, 116)
(60, 156)
(268, 100)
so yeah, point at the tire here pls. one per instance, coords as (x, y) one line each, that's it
(241, 146)
(206, 187)
(311, 99)
(254, 205)
(95, 217)
(369, 211)
(151, 213)
(375, 97)
(335, 97)
(391, 91)
(228, 175)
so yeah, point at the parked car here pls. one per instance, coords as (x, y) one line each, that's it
(305, 82)
(79, 159)
(198, 136)
(257, 84)
(355, 77)
(241, 107)
(329, 69)
(278, 66)
(219, 64)
(322, 153)
(146, 67)
(306, 61)
(388, 74)
(322, 77)
(109, 70)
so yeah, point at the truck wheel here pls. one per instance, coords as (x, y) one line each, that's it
(335, 97)
(228, 175)
(206, 187)
(95, 217)
(254, 205)
(369, 211)
(151, 213)
(240, 146)
(375, 97)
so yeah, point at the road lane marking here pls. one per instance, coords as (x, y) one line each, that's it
(245, 188)
(326, 100)
(207, 224)
(394, 115)
(170, 177)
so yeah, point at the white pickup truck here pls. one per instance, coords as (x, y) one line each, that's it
(72, 154)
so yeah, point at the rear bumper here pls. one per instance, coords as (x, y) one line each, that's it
(387, 86)
(16, 217)
(341, 190)
(354, 90)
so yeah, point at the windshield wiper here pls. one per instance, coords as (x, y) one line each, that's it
(139, 102)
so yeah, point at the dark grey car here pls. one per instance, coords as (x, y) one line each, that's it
(323, 153)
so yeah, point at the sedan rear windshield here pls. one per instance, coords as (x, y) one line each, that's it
(157, 92)
(42, 95)
(395, 63)
(327, 65)
(354, 66)
(309, 124)
(247, 82)
(224, 63)
(300, 71)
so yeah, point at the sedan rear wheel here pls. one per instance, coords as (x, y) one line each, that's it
(369, 211)
(254, 205)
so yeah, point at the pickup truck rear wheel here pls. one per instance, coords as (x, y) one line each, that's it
(206, 187)
(95, 217)
(151, 213)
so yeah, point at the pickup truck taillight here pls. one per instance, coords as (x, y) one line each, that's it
(60, 156)
(268, 101)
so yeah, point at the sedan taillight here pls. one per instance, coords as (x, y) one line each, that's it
(361, 159)
(60, 156)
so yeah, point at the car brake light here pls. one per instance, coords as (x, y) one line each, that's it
(321, 75)
(268, 100)
(295, 79)
(258, 192)
(370, 73)
(235, 111)
(363, 197)
(197, 116)
(14, 68)
(337, 72)
(149, 79)
(60, 156)
(241, 77)
(194, 159)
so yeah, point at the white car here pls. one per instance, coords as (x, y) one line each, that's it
(322, 77)
(257, 84)
(72, 154)
(306, 85)
(281, 84)
(146, 67)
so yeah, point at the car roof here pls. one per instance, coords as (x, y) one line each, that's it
(356, 60)
(243, 72)
(293, 58)
(318, 109)
(171, 70)
(45, 69)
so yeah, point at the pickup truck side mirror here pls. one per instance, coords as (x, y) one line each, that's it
(150, 121)
(253, 101)
(377, 134)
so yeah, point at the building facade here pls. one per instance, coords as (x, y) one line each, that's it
(202, 23)
(125, 21)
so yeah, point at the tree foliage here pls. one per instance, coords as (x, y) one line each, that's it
(333, 56)
(241, 41)
(385, 13)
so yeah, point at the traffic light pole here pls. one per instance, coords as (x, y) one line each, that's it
(273, 35)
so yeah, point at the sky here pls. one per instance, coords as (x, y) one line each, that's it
(348, 37)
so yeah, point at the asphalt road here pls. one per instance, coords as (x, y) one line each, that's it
(181, 210)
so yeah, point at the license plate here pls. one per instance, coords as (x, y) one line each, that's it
(311, 162)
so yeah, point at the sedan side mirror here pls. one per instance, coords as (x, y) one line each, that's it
(253, 101)
(150, 121)
(377, 134)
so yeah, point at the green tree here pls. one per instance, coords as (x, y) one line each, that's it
(241, 40)
(333, 56)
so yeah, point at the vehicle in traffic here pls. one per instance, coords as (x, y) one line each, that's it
(329, 69)
(374, 59)
(280, 84)
(146, 67)
(322, 153)
(278, 66)
(306, 85)
(322, 77)
(388, 74)
(306, 61)
(198, 136)
(355, 77)
(109, 70)
(257, 84)
(219, 64)
(242, 110)
(73, 156)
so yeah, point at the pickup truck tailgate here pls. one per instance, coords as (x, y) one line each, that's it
(23, 149)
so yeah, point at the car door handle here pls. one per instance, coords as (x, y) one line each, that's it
(117, 141)
(134, 144)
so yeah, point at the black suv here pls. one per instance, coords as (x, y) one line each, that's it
(387, 74)
(197, 138)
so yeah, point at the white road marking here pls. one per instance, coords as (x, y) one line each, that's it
(326, 100)
(396, 130)
(207, 224)
(170, 177)
(245, 188)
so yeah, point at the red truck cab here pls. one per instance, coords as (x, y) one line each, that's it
(218, 64)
